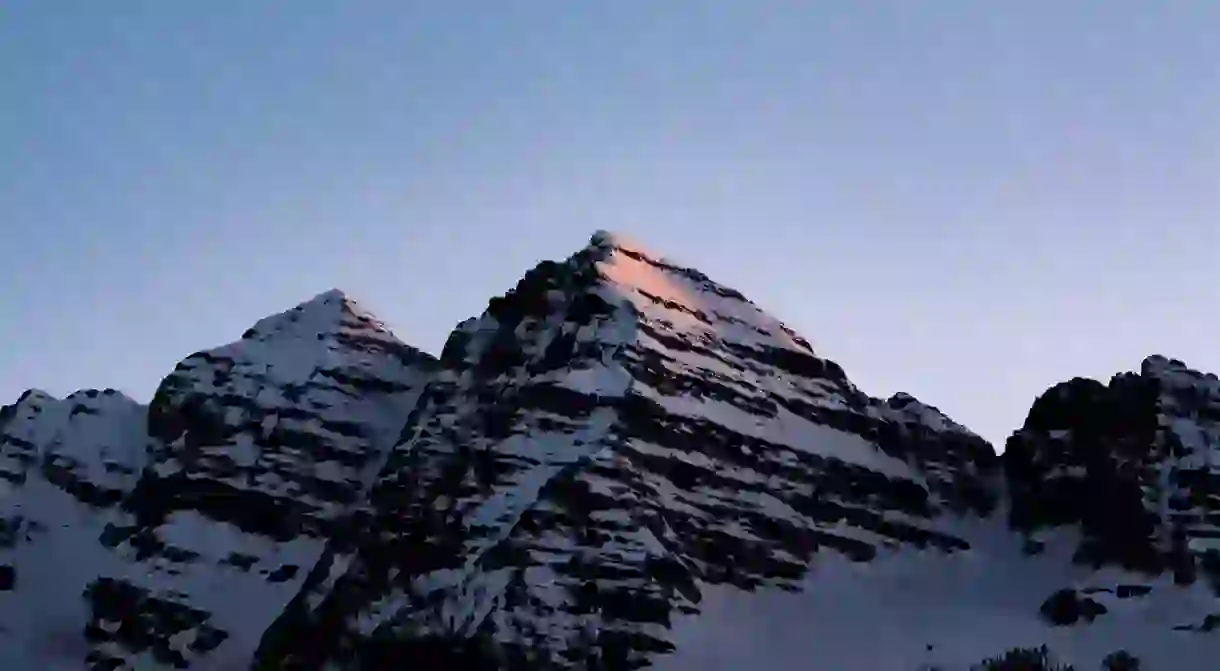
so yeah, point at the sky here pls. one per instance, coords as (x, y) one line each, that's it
(966, 201)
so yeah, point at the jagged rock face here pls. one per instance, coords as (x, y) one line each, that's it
(256, 449)
(611, 436)
(64, 465)
(1132, 463)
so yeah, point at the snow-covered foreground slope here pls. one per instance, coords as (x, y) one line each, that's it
(912, 609)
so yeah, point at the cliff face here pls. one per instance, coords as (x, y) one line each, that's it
(1131, 463)
(619, 463)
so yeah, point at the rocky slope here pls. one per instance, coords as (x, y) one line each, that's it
(620, 463)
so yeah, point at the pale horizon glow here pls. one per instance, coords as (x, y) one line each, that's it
(968, 202)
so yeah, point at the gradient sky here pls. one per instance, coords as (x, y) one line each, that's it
(967, 201)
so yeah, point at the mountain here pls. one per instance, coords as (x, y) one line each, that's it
(611, 435)
(172, 535)
(620, 463)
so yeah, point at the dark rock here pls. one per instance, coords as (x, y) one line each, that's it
(283, 573)
(1108, 459)
(1066, 607)
(1121, 660)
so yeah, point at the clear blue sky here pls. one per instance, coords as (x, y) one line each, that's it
(968, 201)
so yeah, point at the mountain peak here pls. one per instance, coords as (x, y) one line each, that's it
(604, 239)
(328, 297)
(667, 290)
(329, 313)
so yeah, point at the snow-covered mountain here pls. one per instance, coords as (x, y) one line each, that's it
(173, 535)
(619, 464)
(606, 439)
